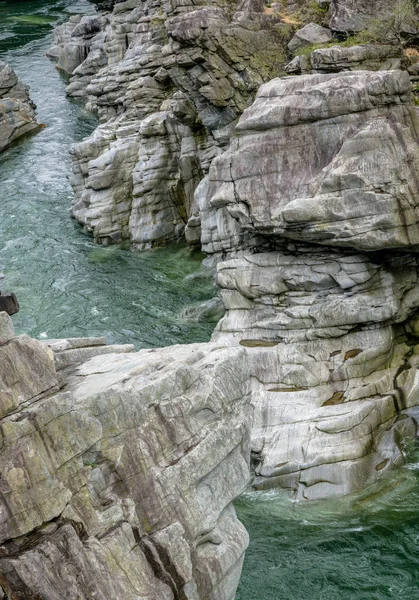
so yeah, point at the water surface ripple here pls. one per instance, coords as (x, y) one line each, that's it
(66, 284)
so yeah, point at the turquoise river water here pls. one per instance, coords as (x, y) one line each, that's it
(360, 548)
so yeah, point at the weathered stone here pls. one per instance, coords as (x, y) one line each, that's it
(325, 328)
(366, 57)
(6, 327)
(27, 372)
(309, 35)
(168, 83)
(356, 15)
(123, 484)
(358, 186)
(9, 303)
(17, 112)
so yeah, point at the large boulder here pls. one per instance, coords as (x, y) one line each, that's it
(313, 213)
(309, 35)
(122, 484)
(17, 111)
(305, 166)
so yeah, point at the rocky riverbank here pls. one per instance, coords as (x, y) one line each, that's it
(17, 111)
(118, 473)
(304, 191)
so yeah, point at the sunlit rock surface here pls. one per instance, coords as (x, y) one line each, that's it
(314, 207)
(168, 81)
(17, 111)
(333, 59)
(121, 483)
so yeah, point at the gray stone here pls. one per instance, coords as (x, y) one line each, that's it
(123, 484)
(168, 83)
(365, 57)
(17, 112)
(325, 328)
(309, 35)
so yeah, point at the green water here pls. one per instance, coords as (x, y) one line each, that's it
(67, 285)
(356, 549)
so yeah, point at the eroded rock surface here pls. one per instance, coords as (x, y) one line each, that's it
(365, 57)
(121, 484)
(168, 81)
(314, 210)
(355, 15)
(17, 111)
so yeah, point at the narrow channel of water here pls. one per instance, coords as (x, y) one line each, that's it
(66, 284)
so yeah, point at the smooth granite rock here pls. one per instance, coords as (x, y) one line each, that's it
(17, 111)
(121, 485)
(330, 159)
(312, 214)
(168, 82)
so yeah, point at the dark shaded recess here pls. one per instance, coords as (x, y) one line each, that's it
(9, 303)
(105, 4)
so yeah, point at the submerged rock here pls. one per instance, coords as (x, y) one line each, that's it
(17, 111)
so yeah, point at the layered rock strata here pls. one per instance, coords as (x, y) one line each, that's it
(118, 481)
(168, 81)
(334, 59)
(315, 207)
(17, 111)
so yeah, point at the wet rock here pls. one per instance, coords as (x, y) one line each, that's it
(17, 111)
(123, 483)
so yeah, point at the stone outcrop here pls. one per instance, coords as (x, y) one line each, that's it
(313, 211)
(334, 59)
(168, 81)
(309, 35)
(310, 209)
(118, 480)
(17, 111)
(349, 16)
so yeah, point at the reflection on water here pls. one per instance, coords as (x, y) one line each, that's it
(363, 547)
(67, 285)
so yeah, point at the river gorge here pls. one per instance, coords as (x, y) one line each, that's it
(359, 546)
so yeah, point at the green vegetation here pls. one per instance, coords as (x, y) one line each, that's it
(397, 26)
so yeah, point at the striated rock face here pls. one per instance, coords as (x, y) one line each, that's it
(365, 57)
(168, 81)
(354, 15)
(308, 35)
(17, 112)
(121, 484)
(330, 159)
(313, 208)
